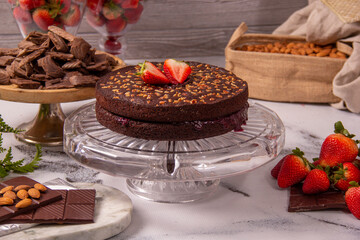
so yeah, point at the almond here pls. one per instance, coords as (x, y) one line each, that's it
(34, 193)
(6, 201)
(20, 187)
(40, 187)
(10, 194)
(5, 189)
(22, 194)
(24, 203)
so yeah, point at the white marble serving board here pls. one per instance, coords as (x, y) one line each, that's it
(113, 211)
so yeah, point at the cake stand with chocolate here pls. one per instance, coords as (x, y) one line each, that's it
(49, 69)
(132, 135)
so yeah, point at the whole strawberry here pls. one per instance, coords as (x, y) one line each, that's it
(344, 174)
(294, 169)
(43, 18)
(316, 181)
(352, 199)
(338, 148)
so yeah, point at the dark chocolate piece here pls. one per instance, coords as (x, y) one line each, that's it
(37, 37)
(58, 42)
(25, 83)
(25, 44)
(9, 51)
(76, 206)
(75, 64)
(6, 60)
(80, 48)
(62, 33)
(84, 81)
(47, 197)
(60, 56)
(50, 67)
(4, 77)
(300, 202)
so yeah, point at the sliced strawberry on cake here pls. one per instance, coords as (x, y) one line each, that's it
(176, 71)
(149, 73)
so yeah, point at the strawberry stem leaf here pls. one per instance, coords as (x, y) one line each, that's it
(339, 128)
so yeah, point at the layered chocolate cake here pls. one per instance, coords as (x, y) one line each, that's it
(212, 101)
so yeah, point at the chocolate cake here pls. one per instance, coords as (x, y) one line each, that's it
(212, 101)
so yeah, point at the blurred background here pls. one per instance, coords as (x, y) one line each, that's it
(173, 28)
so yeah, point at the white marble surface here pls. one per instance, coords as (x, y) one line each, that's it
(245, 206)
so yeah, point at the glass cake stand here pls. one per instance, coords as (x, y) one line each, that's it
(174, 171)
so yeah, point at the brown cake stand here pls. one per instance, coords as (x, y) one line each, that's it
(47, 126)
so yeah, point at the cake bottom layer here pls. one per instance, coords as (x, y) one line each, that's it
(171, 131)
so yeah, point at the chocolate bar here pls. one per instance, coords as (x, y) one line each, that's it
(76, 206)
(300, 202)
(47, 197)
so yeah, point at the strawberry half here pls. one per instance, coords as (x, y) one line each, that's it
(176, 71)
(294, 169)
(149, 73)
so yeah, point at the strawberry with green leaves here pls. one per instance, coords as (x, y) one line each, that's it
(338, 147)
(72, 17)
(344, 174)
(352, 199)
(149, 73)
(31, 4)
(294, 169)
(316, 181)
(176, 71)
(111, 11)
(43, 18)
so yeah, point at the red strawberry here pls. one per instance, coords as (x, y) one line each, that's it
(316, 181)
(95, 20)
(116, 25)
(72, 17)
(65, 5)
(43, 18)
(130, 3)
(338, 148)
(352, 199)
(176, 71)
(275, 171)
(31, 4)
(22, 16)
(132, 15)
(112, 46)
(344, 174)
(95, 6)
(111, 11)
(294, 169)
(151, 74)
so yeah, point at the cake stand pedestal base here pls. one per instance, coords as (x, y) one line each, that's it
(172, 191)
(46, 128)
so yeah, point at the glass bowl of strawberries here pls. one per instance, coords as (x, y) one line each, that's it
(112, 18)
(38, 15)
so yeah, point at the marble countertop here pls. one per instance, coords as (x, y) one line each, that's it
(247, 206)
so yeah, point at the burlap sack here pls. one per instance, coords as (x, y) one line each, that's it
(329, 21)
(281, 77)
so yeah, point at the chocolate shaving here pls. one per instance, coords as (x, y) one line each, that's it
(83, 81)
(62, 33)
(4, 77)
(50, 67)
(58, 42)
(25, 83)
(6, 60)
(51, 60)
(79, 48)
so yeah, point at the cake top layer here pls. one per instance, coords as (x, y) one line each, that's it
(206, 84)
